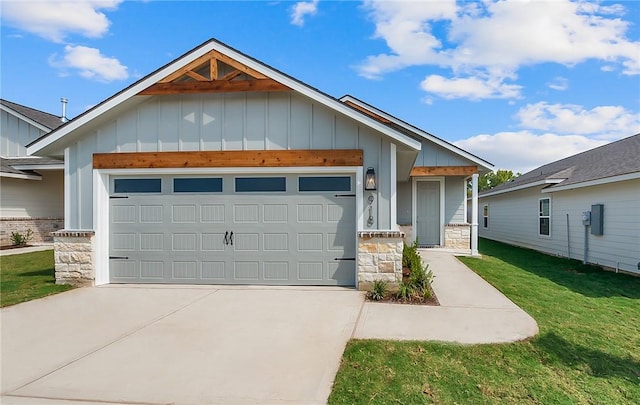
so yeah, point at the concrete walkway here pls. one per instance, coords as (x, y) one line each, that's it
(471, 310)
(35, 248)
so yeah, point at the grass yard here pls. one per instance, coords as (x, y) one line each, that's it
(27, 276)
(587, 351)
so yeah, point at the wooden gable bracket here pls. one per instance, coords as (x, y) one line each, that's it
(418, 171)
(203, 76)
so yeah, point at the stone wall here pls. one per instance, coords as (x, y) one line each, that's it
(457, 236)
(379, 257)
(41, 228)
(74, 257)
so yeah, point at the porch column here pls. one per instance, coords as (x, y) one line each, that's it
(474, 214)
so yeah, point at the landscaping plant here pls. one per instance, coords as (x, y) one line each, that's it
(18, 239)
(379, 290)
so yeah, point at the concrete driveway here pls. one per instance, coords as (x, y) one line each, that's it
(182, 345)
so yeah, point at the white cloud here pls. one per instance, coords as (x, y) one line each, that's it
(301, 10)
(54, 20)
(90, 64)
(495, 38)
(523, 151)
(605, 122)
(474, 88)
(559, 84)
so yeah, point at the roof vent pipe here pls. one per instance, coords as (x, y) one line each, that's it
(63, 117)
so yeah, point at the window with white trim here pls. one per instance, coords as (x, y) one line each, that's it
(485, 216)
(544, 217)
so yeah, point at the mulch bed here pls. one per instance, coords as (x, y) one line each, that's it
(391, 299)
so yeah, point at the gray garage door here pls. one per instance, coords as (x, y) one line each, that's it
(278, 230)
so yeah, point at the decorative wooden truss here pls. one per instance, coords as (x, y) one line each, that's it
(214, 73)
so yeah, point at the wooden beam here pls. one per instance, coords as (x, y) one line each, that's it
(267, 158)
(217, 86)
(367, 112)
(239, 66)
(196, 76)
(443, 171)
(231, 75)
(191, 66)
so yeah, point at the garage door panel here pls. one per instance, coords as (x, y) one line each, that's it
(247, 270)
(183, 214)
(212, 213)
(213, 242)
(213, 270)
(278, 270)
(152, 269)
(185, 270)
(286, 238)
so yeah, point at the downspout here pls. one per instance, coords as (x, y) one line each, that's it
(568, 243)
(586, 243)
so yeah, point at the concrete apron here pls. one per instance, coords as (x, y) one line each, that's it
(471, 310)
(183, 345)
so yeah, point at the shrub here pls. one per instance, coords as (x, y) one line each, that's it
(379, 290)
(19, 239)
(404, 291)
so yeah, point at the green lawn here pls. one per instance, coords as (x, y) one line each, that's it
(27, 276)
(587, 351)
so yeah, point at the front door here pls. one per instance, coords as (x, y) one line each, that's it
(428, 225)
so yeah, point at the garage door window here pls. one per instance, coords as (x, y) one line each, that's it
(197, 185)
(254, 184)
(326, 183)
(137, 185)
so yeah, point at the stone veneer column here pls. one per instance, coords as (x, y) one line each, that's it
(75, 257)
(457, 236)
(379, 257)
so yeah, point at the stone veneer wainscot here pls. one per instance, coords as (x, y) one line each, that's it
(74, 257)
(457, 236)
(379, 257)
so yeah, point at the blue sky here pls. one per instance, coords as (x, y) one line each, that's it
(519, 83)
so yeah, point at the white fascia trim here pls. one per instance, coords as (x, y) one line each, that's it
(25, 118)
(522, 187)
(421, 133)
(279, 77)
(101, 225)
(58, 166)
(20, 176)
(597, 182)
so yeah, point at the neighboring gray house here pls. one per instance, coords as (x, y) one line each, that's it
(543, 209)
(218, 169)
(32, 188)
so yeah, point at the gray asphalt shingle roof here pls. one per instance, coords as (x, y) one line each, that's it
(614, 159)
(45, 119)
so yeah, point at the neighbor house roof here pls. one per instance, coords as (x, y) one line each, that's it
(52, 143)
(44, 120)
(615, 161)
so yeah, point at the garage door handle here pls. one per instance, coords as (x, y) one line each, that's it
(226, 238)
(231, 238)
(118, 258)
(345, 195)
(345, 258)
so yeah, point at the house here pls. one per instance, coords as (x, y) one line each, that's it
(219, 169)
(585, 207)
(32, 195)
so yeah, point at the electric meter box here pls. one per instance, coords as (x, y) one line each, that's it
(597, 219)
(586, 218)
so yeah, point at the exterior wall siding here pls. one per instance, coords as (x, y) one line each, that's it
(435, 155)
(513, 219)
(455, 194)
(248, 121)
(15, 134)
(23, 198)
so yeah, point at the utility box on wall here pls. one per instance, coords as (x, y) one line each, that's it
(597, 219)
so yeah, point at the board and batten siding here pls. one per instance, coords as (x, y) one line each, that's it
(23, 198)
(15, 134)
(513, 218)
(218, 122)
(432, 154)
